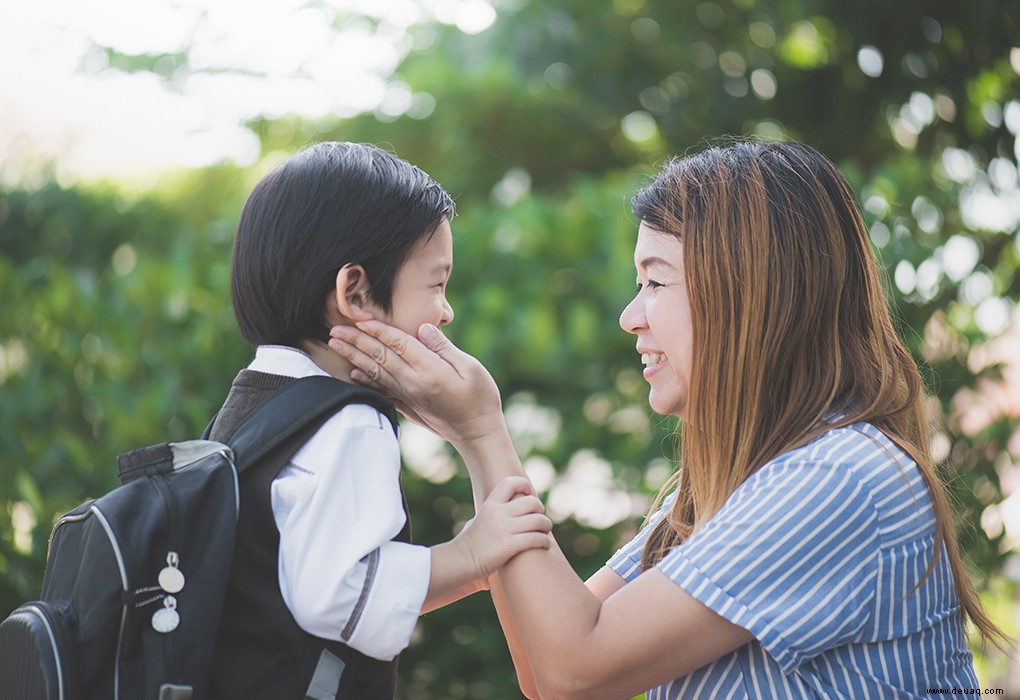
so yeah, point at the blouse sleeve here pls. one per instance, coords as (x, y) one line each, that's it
(792, 557)
(627, 560)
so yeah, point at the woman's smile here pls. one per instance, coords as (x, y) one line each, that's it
(653, 362)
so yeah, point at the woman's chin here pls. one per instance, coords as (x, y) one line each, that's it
(665, 406)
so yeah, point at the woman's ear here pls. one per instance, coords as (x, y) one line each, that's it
(351, 293)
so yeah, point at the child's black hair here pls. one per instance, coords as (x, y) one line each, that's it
(327, 206)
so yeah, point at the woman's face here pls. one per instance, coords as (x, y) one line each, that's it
(660, 317)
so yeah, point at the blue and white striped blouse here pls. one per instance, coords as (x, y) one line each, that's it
(818, 555)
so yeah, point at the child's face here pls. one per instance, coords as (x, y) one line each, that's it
(419, 289)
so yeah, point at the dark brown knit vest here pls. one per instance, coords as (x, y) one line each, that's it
(261, 652)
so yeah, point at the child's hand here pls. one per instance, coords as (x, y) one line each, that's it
(511, 520)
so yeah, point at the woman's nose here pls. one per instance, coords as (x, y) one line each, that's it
(632, 318)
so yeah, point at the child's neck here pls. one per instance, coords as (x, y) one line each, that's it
(328, 360)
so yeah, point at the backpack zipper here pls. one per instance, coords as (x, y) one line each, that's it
(169, 658)
(124, 584)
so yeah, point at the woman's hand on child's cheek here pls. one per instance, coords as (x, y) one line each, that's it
(510, 521)
(436, 383)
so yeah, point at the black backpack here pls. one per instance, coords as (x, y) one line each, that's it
(135, 580)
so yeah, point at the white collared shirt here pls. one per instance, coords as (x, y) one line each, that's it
(338, 506)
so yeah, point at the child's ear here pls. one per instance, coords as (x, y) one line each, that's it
(351, 293)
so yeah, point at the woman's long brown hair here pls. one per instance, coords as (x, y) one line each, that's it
(791, 326)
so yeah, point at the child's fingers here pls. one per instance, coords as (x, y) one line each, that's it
(532, 540)
(522, 505)
(534, 522)
(511, 486)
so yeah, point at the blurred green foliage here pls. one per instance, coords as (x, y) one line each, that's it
(116, 328)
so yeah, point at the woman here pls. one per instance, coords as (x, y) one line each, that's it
(805, 546)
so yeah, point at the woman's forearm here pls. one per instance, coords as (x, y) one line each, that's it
(554, 613)
(544, 607)
(489, 460)
(525, 676)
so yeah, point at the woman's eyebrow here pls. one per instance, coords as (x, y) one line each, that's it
(655, 261)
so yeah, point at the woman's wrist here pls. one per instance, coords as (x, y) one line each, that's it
(482, 450)
(478, 435)
(489, 459)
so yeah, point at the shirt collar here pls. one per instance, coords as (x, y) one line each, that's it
(285, 361)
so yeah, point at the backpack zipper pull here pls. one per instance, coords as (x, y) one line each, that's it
(171, 579)
(166, 618)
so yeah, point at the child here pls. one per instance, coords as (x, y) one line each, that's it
(325, 586)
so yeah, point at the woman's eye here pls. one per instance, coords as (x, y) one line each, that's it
(651, 284)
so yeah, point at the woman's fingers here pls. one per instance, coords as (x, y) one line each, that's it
(370, 350)
(448, 390)
(434, 339)
(379, 350)
(389, 346)
(421, 353)
(372, 372)
(361, 378)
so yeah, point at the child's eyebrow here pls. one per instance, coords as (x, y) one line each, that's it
(444, 268)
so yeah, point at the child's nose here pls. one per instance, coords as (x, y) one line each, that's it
(447, 314)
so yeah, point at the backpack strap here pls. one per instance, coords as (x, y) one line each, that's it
(292, 408)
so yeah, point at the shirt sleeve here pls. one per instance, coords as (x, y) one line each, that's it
(338, 506)
(792, 557)
(627, 559)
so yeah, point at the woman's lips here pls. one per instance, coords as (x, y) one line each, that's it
(649, 359)
(652, 361)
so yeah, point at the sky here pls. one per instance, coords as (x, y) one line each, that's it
(61, 103)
